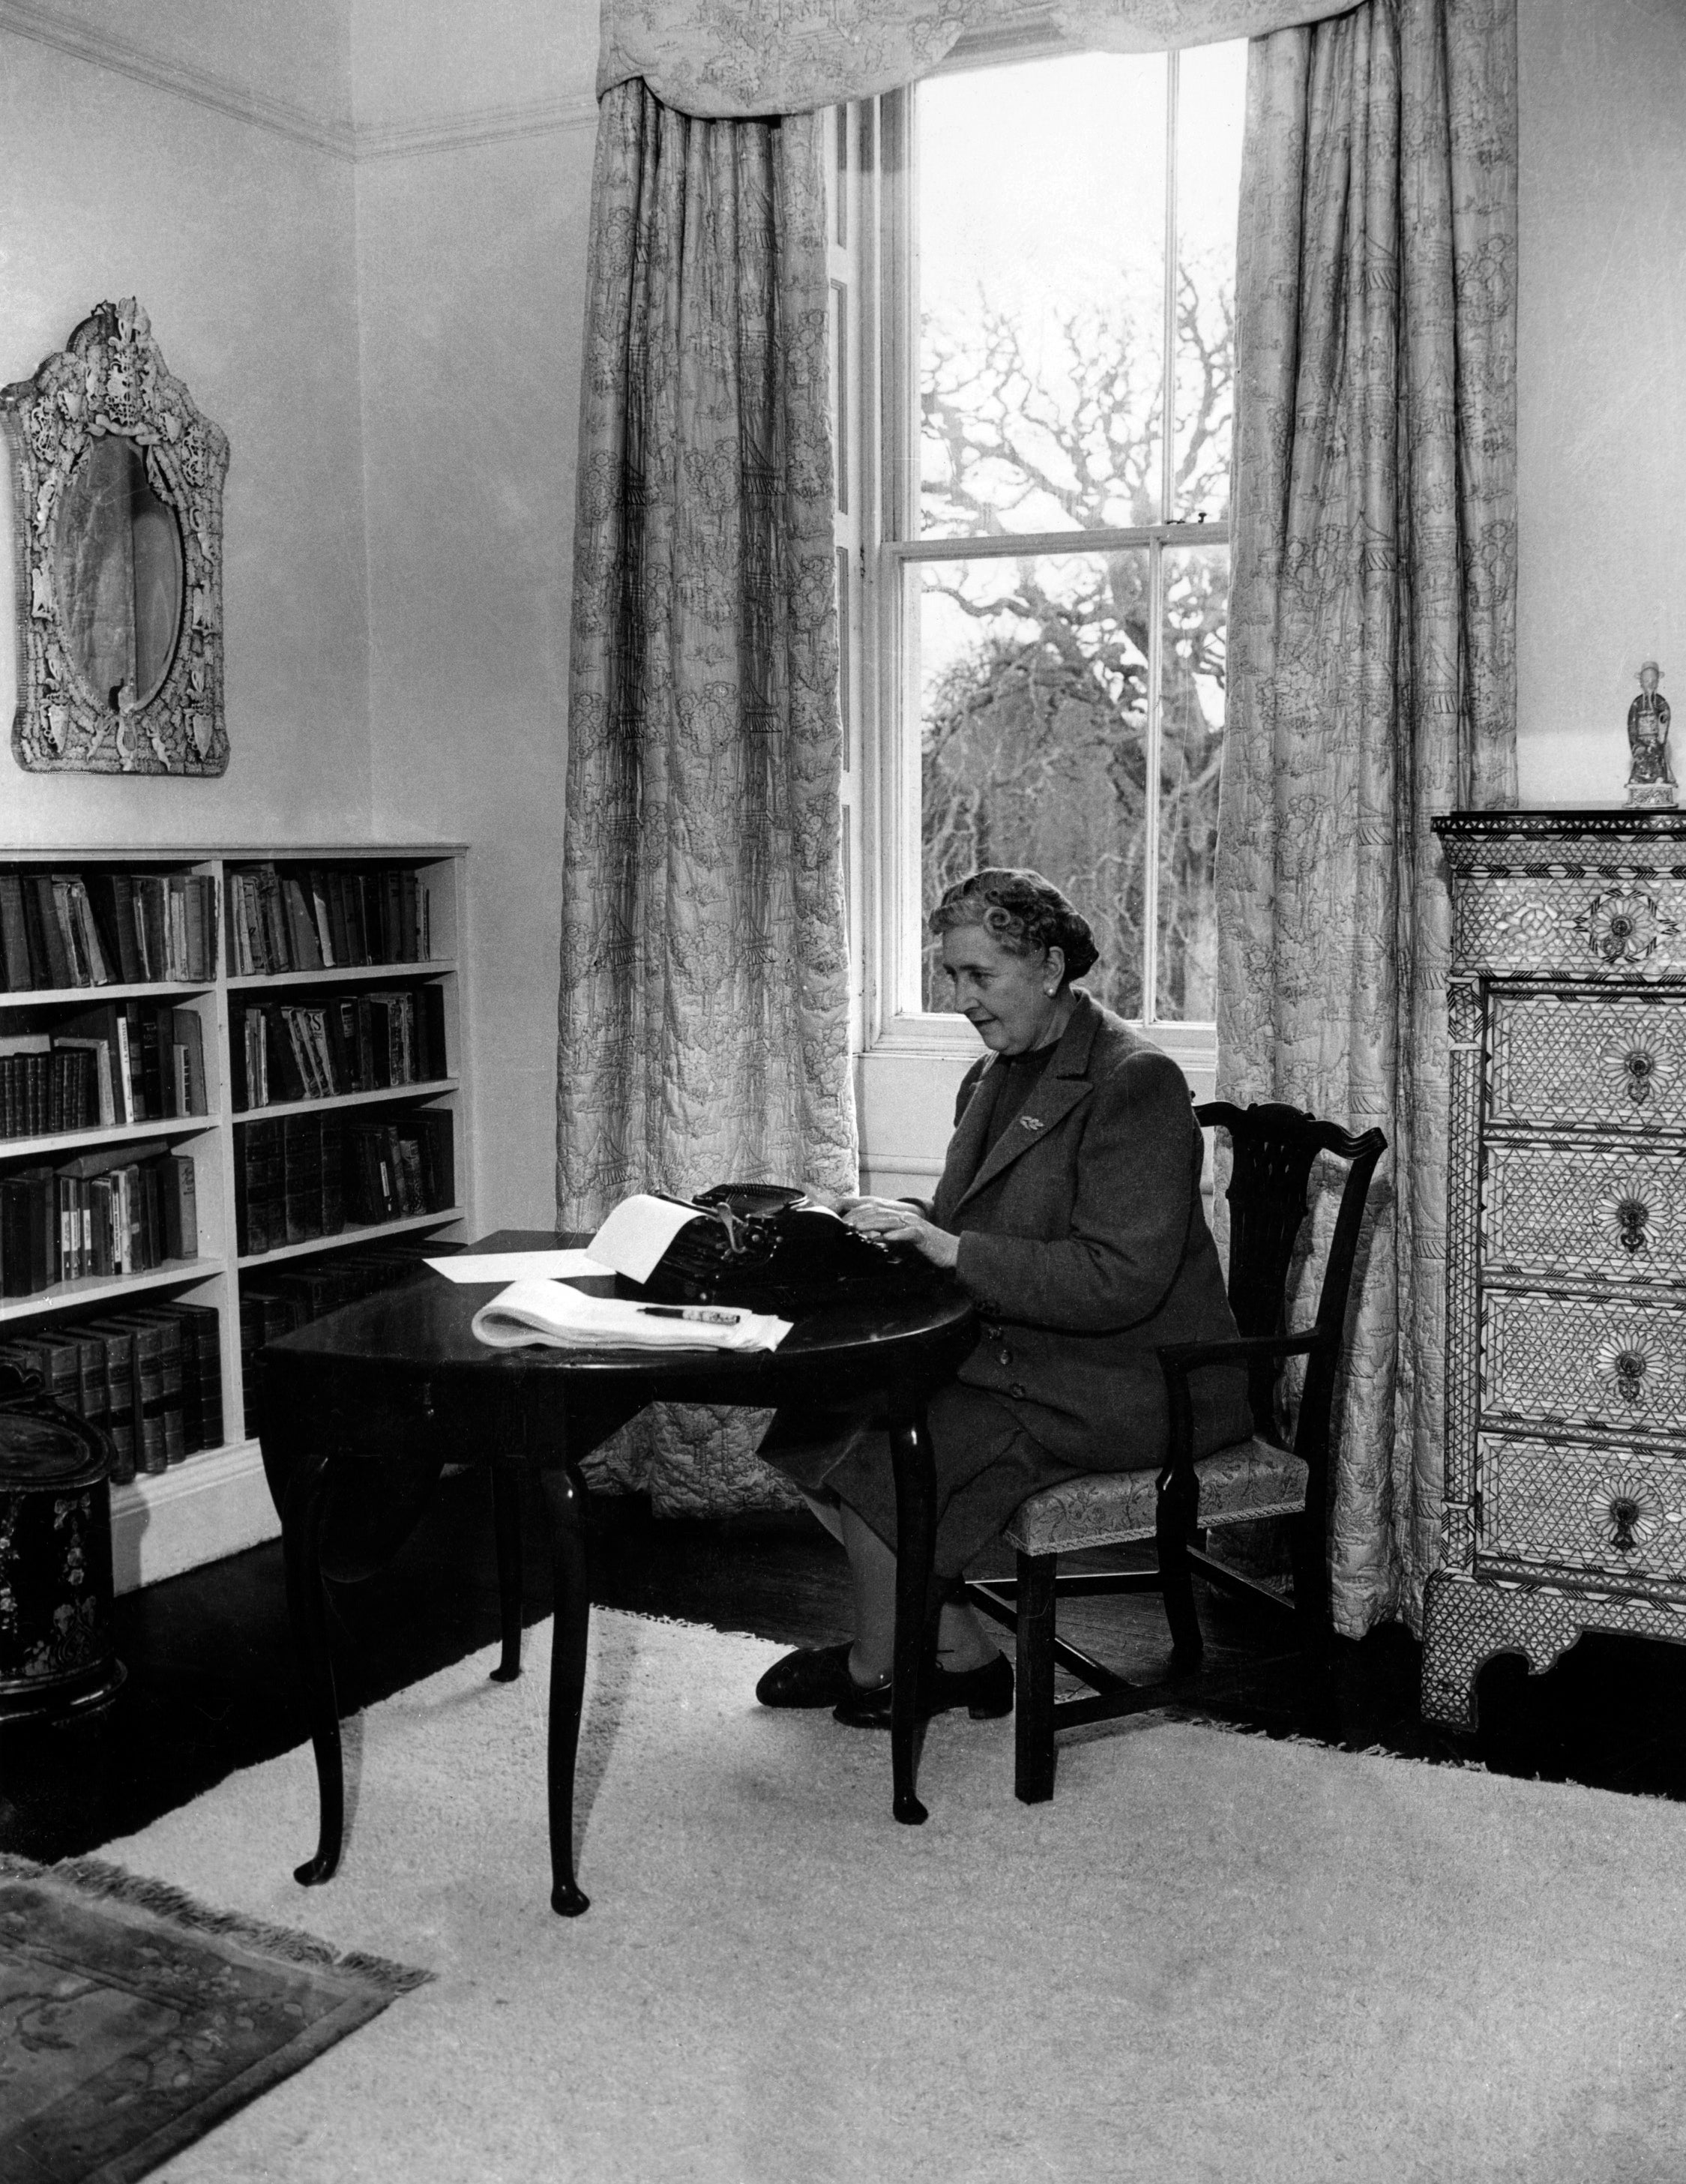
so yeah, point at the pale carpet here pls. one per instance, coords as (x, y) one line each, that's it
(1210, 1957)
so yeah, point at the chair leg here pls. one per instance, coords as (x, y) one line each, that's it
(1174, 1521)
(1311, 1588)
(1033, 1701)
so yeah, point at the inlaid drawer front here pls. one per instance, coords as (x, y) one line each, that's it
(1584, 925)
(1579, 1210)
(1606, 1511)
(1583, 1058)
(1620, 1364)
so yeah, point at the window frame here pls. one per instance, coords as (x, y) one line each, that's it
(882, 783)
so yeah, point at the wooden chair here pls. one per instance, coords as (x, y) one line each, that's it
(1271, 1474)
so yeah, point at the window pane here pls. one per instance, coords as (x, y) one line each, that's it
(1033, 714)
(1191, 746)
(839, 376)
(1041, 222)
(1211, 108)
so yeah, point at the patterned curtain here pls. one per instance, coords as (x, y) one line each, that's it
(1372, 636)
(738, 57)
(703, 1016)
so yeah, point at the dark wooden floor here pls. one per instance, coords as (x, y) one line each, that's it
(211, 1687)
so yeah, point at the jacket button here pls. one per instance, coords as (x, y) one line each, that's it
(1003, 1355)
(1017, 1390)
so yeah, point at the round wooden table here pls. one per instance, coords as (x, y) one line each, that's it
(360, 1411)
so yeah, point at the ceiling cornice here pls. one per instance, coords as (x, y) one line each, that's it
(104, 49)
(28, 19)
(488, 125)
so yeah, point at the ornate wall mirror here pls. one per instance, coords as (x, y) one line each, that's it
(118, 523)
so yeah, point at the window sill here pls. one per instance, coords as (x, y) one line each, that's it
(951, 1038)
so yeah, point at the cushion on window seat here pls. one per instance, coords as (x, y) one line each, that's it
(1105, 1508)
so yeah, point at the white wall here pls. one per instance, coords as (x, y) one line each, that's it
(1601, 385)
(472, 240)
(238, 239)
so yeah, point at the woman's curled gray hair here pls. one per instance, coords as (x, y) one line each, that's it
(1022, 912)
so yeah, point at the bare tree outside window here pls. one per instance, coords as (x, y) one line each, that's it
(1044, 417)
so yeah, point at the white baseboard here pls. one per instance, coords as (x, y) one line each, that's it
(210, 1506)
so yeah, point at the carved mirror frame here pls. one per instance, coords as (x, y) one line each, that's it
(112, 378)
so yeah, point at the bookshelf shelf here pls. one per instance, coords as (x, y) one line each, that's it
(348, 974)
(385, 1093)
(81, 997)
(108, 1288)
(214, 1502)
(71, 1142)
(374, 1232)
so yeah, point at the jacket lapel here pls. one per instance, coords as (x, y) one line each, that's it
(965, 1147)
(1065, 1083)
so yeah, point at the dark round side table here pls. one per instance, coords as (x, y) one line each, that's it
(56, 1658)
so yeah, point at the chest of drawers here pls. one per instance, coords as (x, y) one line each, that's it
(1565, 1507)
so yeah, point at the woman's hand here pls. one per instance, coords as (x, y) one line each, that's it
(894, 1221)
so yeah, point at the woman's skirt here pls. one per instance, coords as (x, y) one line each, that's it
(985, 1460)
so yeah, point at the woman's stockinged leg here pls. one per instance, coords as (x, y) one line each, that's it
(961, 1640)
(829, 1512)
(872, 1589)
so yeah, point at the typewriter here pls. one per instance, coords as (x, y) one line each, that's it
(772, 1248)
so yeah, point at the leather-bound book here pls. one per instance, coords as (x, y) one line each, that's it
(15, 946)
(123, 1393)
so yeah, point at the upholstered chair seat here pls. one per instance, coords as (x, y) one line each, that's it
(1249, 1480)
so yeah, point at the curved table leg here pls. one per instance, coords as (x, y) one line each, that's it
(918, 1604)
(307, 1500)
(565, 1499)
(506, 1525)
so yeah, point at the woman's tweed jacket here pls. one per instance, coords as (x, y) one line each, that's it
(1084, 1245)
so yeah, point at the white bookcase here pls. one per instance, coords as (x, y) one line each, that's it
(216, 1501)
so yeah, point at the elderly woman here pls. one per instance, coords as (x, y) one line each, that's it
(1069, 1210)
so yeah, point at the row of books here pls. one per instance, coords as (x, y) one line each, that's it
(325, 918)
(150, 1377)
(124, 1209)
(102, 928)
(274, 1303)
(119, 1062)
(344, 1043)
(298, 1176)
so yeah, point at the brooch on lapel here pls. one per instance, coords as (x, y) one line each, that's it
(1030, 1121)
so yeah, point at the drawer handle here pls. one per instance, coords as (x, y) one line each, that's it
(1632, 1215)
(1625, 1364)
(1640, 1069)
(1624, 929)
(1626, 1511)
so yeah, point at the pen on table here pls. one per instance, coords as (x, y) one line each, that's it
(692, 1311)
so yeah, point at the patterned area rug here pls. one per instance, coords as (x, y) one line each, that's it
(132, 2019)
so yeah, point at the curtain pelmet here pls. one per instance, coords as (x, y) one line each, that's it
(1371, 636)
(750, 57)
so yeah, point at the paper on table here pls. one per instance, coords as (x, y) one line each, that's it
(569, 1319)
(518, 1266)
(637, 1233)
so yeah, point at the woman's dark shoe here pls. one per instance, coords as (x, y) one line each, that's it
(985, 1693)
(816, 1676)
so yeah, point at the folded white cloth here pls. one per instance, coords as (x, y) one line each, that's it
(566, 1317)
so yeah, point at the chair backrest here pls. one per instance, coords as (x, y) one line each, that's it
(1273, 1147)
